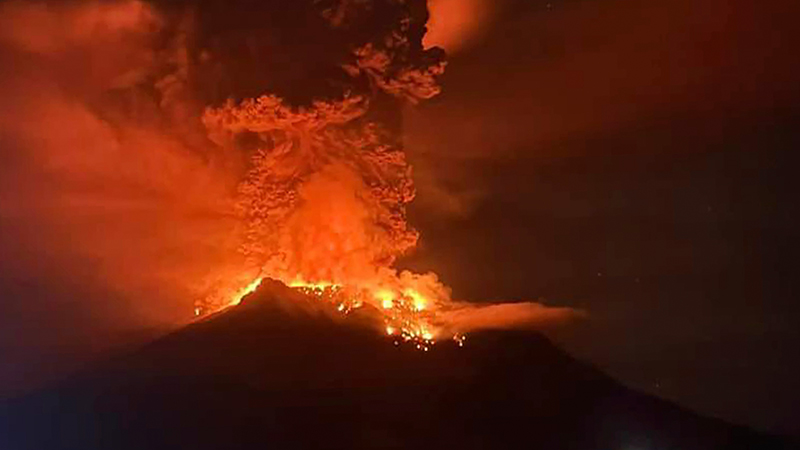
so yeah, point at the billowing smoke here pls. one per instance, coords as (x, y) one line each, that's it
(325, 197)
(185, 150)
(100, 167)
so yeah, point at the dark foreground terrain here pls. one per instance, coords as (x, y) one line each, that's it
(281, 371)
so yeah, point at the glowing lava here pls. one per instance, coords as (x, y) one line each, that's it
(403, 313)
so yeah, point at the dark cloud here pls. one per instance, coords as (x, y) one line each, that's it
(634, 159)
(546, 75)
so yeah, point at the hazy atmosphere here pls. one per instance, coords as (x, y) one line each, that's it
(613, 173)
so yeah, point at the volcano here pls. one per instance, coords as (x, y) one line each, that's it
(284, 370)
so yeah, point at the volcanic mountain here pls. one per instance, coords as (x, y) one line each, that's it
(284, 370)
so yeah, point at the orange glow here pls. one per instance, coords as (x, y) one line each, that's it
(242, 293)
(386, 297)
(400, 312)
(454, 24)
(419, 301)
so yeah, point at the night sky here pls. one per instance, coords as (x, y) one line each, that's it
(631, 158)
(634, 159)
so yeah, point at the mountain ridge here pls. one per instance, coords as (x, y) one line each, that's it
(284, 370)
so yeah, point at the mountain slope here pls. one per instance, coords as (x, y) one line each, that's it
(284, 371)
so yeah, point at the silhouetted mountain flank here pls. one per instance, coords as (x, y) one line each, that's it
(284, 371)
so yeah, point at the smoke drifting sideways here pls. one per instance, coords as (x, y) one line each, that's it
(153, 154)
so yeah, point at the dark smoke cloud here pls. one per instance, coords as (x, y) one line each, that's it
(577, 70)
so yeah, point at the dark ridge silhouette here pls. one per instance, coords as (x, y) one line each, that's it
(285, 371)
